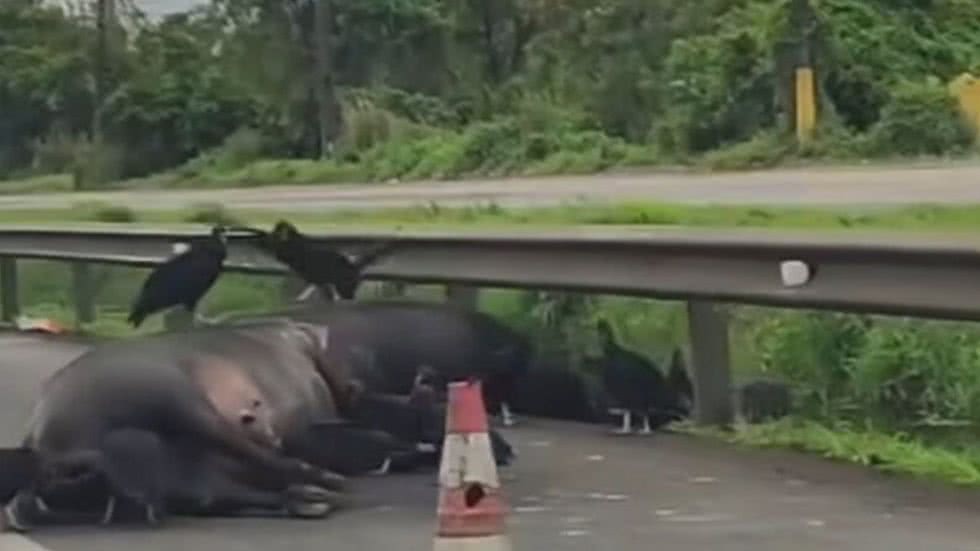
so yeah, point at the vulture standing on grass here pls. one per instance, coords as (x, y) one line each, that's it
(183, 279)
(317, 264)
(635, 385)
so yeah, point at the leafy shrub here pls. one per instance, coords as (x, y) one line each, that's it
(834, 141)
(55, 152)
(290, 171)
(765, 149)
(211, 214)
(116, 214)
(911, 373)
(96, 164)
(243, 146)
(815, 351)
(99, 211)
(921, 118)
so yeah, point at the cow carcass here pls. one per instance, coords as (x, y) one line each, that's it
(214, 421)
(386, 343)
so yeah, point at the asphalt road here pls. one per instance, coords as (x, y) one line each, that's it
(574, 487)
(951, 184)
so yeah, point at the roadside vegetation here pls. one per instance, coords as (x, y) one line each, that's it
(963, 221)
(225, 95)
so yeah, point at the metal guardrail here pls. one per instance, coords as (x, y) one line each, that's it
(877, 274)
(883, 274)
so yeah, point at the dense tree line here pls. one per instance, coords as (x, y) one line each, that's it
(512, 81)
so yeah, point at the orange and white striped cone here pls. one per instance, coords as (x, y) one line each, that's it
(42, 325)
(471, 508)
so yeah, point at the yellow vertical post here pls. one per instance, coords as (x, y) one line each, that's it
(966, 89)
(806, 104)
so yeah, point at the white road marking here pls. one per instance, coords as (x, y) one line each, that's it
(531, 509)
(703, 479)
(698, 518)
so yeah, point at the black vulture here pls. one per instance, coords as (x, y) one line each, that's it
(317, 264)
(555, 391)
(635, 385)
(763, 400)
(183, 279)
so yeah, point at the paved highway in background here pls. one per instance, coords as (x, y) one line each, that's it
(951, 184)
(573, 487)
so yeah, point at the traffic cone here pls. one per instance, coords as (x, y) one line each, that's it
(471, 508)
(40, 325)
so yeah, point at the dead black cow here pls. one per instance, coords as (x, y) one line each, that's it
(387, 342)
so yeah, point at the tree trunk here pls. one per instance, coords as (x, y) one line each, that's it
(104, 11)
(328, 108)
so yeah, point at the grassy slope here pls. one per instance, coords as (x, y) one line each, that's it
(277, 172)
(919, 219)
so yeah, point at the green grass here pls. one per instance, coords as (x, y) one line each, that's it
(919, 218)
(48, 183)
(438, 159)
(895, 453)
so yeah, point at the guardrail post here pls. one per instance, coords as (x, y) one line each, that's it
(8, 289)
(463, 295)
(711, 371)
(81, 275)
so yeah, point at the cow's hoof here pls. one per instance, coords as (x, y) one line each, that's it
(303, 509)
(10, 519)
(110, 512)
(323, 477)
(154, 516)
(41, 506)
(308, 493)
(384, 469)
(332, 481)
